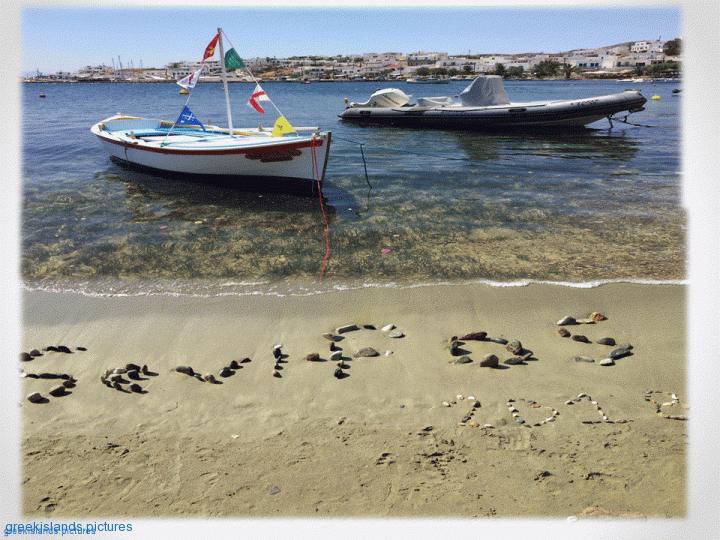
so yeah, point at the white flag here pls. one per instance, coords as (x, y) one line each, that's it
(190, 80)
(258, 95)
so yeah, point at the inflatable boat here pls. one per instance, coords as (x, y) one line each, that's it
(484, 105)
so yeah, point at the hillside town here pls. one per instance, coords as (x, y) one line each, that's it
(654, 58)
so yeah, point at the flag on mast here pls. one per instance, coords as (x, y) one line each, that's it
(210, 49)
(190, 80)
(258, 95)
(187, 118)
(233, 61)
(282, 126)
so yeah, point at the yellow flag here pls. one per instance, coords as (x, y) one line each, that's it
(282, 127)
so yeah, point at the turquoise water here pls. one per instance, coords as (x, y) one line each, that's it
(601, 204)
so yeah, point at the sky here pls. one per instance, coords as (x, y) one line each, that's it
(67, 39)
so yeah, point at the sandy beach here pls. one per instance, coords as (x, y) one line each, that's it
(397, 436)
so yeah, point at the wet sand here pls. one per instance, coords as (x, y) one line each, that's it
(379, 442)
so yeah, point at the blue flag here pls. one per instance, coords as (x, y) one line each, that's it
(187, 118)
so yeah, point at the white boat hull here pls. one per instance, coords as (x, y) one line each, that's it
(217, 154)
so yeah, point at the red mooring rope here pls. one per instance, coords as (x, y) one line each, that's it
(322, 207)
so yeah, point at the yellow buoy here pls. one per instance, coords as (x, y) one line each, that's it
(655, 98)
(184, 91)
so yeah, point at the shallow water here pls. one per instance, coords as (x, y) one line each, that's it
(602, 204)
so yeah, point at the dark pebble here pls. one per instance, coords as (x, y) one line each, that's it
(475, 336)
(234, 365)
(57, 391)
(52, 348)
(581, 339)
(226, 372)
(133, 374)
(515, 360)
(489, 360)
(606, 341)
(312, 357)
(455, 348)
(80, 348)
(245, 360)
(620, 352)
(277, 353)
(563, 332)
(144, 369)
(35, 397)
(25, 357)
(187, 370)
(68, 384)
(461, 360)
(48, 375)
(64, 349)
(35, 353)
(132, 367)
(369, 326)
(134, 387)
(339, 373)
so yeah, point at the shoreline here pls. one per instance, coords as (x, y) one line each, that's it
(383, 426)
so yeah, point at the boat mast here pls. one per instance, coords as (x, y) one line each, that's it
(224, 80)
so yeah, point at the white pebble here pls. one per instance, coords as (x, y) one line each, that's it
(460, 396)
(550, 419)
(446, 403)
(516, 415)
(471, 397)
(488, 425)
(388, 327)
(388, 353)
(674, 396)
(119, 370)
(582, 394)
